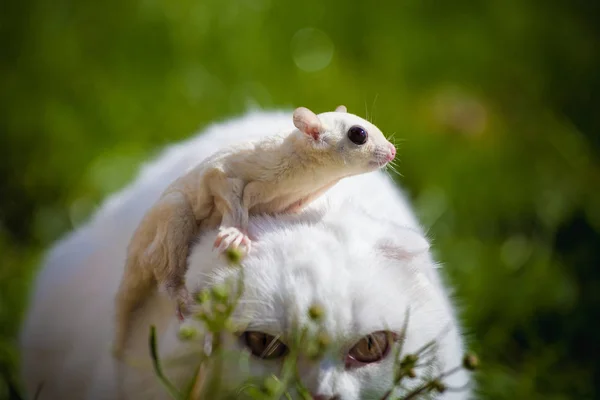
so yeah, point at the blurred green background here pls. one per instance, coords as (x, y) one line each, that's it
(496, 102)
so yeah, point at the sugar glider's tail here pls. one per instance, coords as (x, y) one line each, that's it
(156, 257)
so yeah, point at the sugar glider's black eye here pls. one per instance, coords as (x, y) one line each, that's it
(263, 345)
(357, 135)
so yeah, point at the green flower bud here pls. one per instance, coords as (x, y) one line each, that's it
(316, 312)
(323, 340)
(234, 256)
(470, 362)
(200, 315)
(220, 292)
(187, 332)
(203, 297)
(220, 308)
(409, 361)
(230, 326)
(313, 352)
(438, 385)
(272, 385)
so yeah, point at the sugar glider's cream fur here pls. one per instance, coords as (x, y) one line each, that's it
(357, 250)
(282, 172)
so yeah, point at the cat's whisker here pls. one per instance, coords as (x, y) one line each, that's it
(428, 363)
(207, 277)
(445, 331)
(255, 301)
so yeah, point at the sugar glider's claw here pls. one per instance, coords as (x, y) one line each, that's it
(229, 238)
(237, 241)
(242, 242)
(183, 301)
(179, 312)
(247, 243)
(183, 308)
(224, 237)
(218, 241)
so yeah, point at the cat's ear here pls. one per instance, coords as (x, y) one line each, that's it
(307, 122)
(403, 243)
(341, 109)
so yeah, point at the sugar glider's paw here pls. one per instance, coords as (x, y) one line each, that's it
(232, 238)
(182, 299)
(181, 311)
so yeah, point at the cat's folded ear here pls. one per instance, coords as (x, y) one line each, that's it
(403, 243)
(307, 122)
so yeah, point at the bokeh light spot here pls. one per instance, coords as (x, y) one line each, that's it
(516, 251)
(461, 112)
(312, 49)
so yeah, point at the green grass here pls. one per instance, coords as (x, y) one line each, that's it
(494, 103)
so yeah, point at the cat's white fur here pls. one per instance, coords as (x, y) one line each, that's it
(358, 251)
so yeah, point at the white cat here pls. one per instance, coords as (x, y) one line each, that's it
(358, 252)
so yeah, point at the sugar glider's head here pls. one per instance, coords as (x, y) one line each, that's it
(352, 141)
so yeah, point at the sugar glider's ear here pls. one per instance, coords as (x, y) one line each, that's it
(341, 108)
(403, 243)
(308, 122)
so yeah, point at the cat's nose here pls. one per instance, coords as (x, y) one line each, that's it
(324, 397)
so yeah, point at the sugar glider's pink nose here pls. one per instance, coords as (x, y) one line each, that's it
(392, 152)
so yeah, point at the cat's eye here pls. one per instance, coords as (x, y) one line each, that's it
(371, 348)
(263, 345)
(357, 135)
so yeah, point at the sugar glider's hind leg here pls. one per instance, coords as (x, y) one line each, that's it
(169, 251)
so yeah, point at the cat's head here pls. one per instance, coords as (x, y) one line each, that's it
(364, 275)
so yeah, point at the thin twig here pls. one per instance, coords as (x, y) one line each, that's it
(173, 392)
